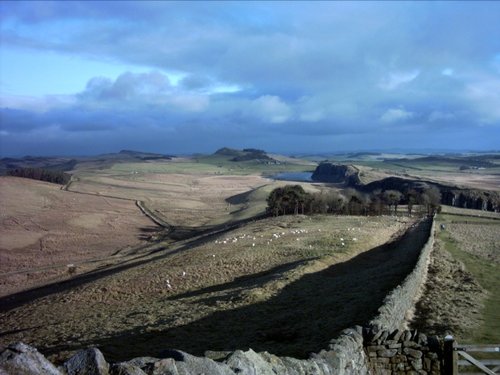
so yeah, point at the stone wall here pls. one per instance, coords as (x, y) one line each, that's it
(398, 305)
(403, 352)
(358, 351)
(382, 348)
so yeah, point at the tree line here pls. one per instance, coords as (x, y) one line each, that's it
(54, 176)
(293, 199)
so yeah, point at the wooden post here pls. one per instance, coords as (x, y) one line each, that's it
(450, 359)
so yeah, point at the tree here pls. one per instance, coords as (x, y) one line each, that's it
(357, 203)
(335, 202)
(392, 198)
(274, 201)
(412, 196)
(431, 199)
(287, 199)
(377, 205)
(318, 203)
(53, 176)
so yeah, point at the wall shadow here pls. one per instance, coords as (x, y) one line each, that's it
(302, 318)
(192, 237)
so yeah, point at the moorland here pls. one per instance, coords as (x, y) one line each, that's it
(139, 252)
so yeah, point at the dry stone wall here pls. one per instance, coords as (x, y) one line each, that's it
(358, 351)
(403, 352)
(399, 303)
(382, 348)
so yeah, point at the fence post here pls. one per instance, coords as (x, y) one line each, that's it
(450, 357)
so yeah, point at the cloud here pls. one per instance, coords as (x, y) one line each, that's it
(15, 120)
(193, 71)
(141, 90)
(484, 95)
(396, 115)
(128, 86)
(395, 79)
(441, 116)
(271, 109)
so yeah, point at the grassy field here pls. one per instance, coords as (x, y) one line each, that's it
(266, 285)
(43, 229)
(191, 192)
(212, 164)
(474, 241)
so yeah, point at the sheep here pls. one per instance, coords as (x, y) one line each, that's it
(71, 268)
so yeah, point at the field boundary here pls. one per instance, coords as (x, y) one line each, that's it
(397, 308)
(146, 211)
(358, 350)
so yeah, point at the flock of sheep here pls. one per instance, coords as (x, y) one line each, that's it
(276, 236)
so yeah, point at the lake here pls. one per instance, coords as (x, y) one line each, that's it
(293, 176)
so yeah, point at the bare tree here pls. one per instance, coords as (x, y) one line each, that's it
(431, 199)
(392, 198)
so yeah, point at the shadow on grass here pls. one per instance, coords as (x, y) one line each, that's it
(246, 282)
(149, 253)
(302, 318)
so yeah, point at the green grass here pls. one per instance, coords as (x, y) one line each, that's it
(168, 167)
(487, 274)
(246, 167)
(422, 166)
(211, 165)
(451, 218)
(322, 245)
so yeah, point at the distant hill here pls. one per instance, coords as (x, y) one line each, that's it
(363, 154)
(47, 163)
(247, 154)
(478, 161)
(66, 164)
(145, 155)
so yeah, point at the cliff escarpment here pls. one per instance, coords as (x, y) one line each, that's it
(348, 175)
(336, 173)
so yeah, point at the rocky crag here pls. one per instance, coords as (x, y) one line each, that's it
(348, 175)
(336, 173)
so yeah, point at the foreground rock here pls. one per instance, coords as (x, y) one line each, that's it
(357, 351)
(21, 359)
(87, 362)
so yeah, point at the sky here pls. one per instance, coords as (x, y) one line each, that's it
(82, 78)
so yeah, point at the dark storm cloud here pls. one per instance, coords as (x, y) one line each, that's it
(297, 69)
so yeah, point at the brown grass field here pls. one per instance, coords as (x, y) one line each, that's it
(179, 198)
(462, 295)
(43, 229)
(286, 285)
(271, 270)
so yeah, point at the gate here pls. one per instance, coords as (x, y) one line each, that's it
(456, 356)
